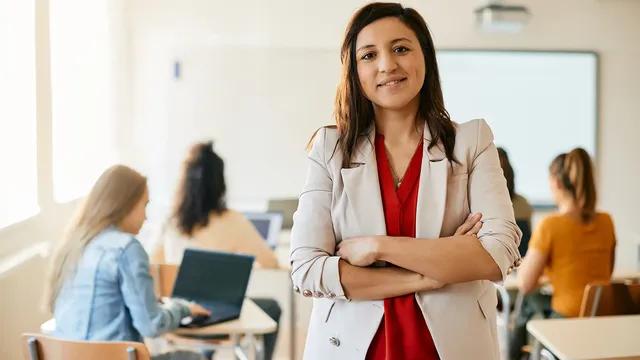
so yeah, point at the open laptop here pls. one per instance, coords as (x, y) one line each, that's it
(215, 280)
(268, 224)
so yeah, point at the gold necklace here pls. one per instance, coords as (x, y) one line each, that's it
(398, 179)
(393, 170)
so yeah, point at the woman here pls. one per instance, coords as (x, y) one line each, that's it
(202, 219)
(521, 208)
(580, 241)
(100, 287)
(374, 239)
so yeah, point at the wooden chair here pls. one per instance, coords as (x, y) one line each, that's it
(606, 298)
(41, 347)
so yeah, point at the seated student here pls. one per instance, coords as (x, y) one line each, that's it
(521, 208)
(99, 287)
(575, 246)
(201, 219)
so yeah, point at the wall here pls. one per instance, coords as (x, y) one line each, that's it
(160, 27)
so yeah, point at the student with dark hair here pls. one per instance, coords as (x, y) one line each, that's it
(574, 247)
(388, 237)
(522, 210)
(201, 219)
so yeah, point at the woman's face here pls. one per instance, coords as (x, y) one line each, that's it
(390, 63)
(132, 223)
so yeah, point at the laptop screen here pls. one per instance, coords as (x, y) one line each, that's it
(262, 225)
(268, 225)
(213, 276)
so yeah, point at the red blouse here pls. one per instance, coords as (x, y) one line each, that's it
(403, 333)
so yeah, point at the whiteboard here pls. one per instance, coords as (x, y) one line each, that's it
(261, 105)
(538, 104)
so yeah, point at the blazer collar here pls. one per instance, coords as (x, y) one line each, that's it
(365, 151)
(363, 188)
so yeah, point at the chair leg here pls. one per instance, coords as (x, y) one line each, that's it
(547, 355)
(33, 348)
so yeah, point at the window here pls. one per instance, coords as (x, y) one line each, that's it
(18, 136)
(82, 102)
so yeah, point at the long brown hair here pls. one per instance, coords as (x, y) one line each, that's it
(574, 171)
(354, 112)
(112, 198)
(202, 189)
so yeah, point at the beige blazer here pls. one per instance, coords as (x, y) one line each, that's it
(339, 203)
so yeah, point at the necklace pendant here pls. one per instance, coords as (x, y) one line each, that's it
(398, 184)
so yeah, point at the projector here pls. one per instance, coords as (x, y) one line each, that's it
(505, 18)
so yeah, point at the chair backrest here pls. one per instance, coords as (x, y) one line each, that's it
(610, 298)
(164, 278)
(41, 347)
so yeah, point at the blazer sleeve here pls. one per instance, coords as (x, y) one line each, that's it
(314, 268)
(488, 195)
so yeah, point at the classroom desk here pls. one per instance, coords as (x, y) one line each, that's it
(595, 338)
(253, 323)
(511, 284)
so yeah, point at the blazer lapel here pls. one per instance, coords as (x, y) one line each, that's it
(363, 188)
(432, 194)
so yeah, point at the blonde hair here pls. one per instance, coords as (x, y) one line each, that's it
(112, 198)
(575, 172)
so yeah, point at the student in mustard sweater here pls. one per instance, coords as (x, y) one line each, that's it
(574, 247)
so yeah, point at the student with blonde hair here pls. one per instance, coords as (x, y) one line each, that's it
(576, 246)
(99, 286)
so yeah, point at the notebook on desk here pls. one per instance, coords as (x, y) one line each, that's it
(215, 280)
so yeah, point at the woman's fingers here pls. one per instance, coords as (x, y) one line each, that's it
(475, 229)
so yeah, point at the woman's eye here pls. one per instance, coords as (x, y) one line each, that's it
(367, 56)
(400, 49)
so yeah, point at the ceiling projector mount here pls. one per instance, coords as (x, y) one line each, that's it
(496, 16)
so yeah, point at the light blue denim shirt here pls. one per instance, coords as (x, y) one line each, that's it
(110, 297)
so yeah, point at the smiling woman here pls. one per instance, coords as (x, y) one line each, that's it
(403, 209)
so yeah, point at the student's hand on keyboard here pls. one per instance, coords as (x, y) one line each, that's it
(197, 310)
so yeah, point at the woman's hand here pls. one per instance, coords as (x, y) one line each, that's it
(471, 225)
(360, 251)
(197, 310)
(427, 284)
